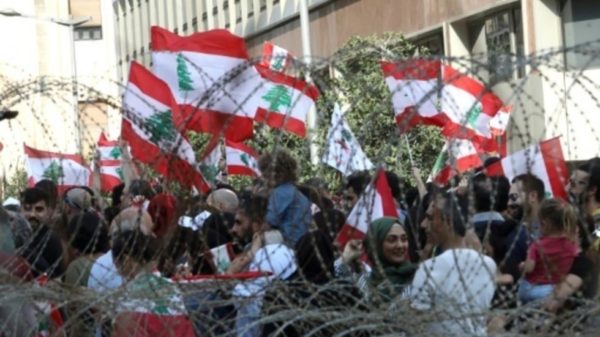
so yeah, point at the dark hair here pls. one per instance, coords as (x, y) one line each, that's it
(116, 194)
(141, 187)
(34, 195)
(133, 244)
(358, 182)
(452, 212)
(490, 193)
(315, 256)
(88, 235)
(330, 222)
(279, 166)
(592, 167)
(315, 197)
(394, 183)
(51, 189)
(531, 183)
(254, 207)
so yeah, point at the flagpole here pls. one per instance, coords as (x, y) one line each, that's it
(306, 50)
(410, 156)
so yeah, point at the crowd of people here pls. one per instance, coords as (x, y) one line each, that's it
(454, 262)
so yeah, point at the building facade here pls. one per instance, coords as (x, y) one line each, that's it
(37, 66)
(519, 47)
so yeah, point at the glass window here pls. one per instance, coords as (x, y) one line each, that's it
(497, 45)
(434, 43)
(88, 33)
(581, 29)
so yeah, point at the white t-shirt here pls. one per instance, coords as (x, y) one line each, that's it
(455, 289)
(104, 275)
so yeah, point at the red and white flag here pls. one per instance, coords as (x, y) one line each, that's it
(108, 149)
(153, 307)
(375, 202)
(210, 77)
(65, 170)
(111, 174)
(241, 159)
(149, 129)
(498, 126)
(414, 85)
(469, 107)
(222, 256)
(275, 57)
(457, 156)
(545, 160)
(283, 101)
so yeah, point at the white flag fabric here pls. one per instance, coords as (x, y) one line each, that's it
(65, 170)
(343, 152)
(275, 57)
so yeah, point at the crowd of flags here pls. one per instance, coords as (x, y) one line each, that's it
(206, 83)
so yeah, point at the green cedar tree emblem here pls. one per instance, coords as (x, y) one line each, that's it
(472, 115)
(115, 153)
(277, 63)
(183, 74)
(120, 173)
(160, 126)
(244, 158)
(209, 172)
(54, 172)
(440, 162)
(278, 96)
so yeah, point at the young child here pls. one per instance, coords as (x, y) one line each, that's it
(550, 258)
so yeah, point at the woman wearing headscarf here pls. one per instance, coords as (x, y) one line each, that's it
(391, 271)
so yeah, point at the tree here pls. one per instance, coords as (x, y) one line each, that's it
(54, 172)
(183, 74)
(277, 96)
(160, 126)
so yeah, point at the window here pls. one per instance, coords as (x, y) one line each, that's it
(497, 45)
(581, 24)
(88, 33)
(434, 43)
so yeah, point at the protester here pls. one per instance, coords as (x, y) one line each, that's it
(354, 187)
(288, 209)
(526, 193)
(138, 193)
(44, 250)
(454, 289)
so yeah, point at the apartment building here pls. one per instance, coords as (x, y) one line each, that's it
(552, 92)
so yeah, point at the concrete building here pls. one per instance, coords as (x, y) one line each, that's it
(552, 94)
(36, 67)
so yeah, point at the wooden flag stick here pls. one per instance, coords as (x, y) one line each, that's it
(410, 156)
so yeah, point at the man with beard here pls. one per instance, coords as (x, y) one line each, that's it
(525, 196)
(44, 250)
(584, 190)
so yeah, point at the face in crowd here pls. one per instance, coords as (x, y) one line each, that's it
(517, 201)
(37, 213)
(433, 222)
(577, 185)
(395, 245)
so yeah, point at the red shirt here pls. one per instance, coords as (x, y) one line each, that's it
(553, 256)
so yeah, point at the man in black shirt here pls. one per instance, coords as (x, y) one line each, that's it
(43, 250)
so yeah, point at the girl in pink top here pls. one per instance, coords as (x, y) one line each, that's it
(550, 258)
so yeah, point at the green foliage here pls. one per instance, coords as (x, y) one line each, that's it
(360, 86)
(15, 185)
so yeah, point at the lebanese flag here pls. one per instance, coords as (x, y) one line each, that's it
(283, 101)
(108, 149)
(375, 202)
(457, 156)
(221, 257)
(154, 307)
(545, 160)
(148, 110)
(498, 126)
(414, 85)
(210, 77)
(210, 163)
(469, 107)
(241, 159)
(275, 57)
(111, 174)
(65, 170)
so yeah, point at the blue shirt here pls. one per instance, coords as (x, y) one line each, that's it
(289, 211)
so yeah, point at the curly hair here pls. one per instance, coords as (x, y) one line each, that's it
(278, 167)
